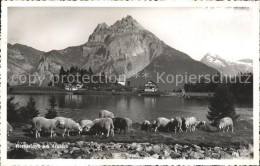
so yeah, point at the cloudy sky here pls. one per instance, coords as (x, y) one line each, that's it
(227, 32)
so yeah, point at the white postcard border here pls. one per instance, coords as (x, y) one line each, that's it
(253, 5)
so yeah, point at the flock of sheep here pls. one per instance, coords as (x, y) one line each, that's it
(107, 124)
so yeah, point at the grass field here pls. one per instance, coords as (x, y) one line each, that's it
(242, 135)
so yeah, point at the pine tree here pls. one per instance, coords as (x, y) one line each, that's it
(222, 105)
(12, 110)
(32, 110)
(52, 113)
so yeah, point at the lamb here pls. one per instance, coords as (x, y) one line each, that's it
(69, 125)
(129, 123)
(177, 124)
(84, 124)
(105, 114)
(226, 123)
(9, 129)
(104, 125)
(190, 123)
(40, 123)
(145, 125)
(162, 123)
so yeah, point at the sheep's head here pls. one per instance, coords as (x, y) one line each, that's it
(187, 122)
(79, 127)
(88, 127)
(62, 122)
(172, 119)
(221, 125)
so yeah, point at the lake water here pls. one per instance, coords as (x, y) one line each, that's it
(135, 107)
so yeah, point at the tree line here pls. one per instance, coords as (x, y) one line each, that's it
(241, 85)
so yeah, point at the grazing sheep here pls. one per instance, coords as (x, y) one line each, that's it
(152, 126)
(226, 123)
(162, 122)
(177, 124)
(69, 124)
(129, 123)
(105, 114)
(9, 129)
(104, 125)
(84, 124)
(190, 123)
(199, 124)
(40, 123)
(145, 125)
(120, 124)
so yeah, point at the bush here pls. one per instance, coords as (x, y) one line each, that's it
(52, 113)
(222, 105)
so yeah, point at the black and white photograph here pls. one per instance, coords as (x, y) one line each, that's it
(170, 83)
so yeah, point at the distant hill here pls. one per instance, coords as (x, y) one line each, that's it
(21, 59)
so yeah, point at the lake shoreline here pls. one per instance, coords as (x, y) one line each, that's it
(53, 90)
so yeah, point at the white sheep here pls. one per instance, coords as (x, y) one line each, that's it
(190, 123)
(129, 123)
(104, 125)
(84, 124)
(69, 124)
(40, 123)
(226, 123)
(105, 114)
(162, 122)
(177, 124)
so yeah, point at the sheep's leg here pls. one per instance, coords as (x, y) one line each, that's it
(36, 133)
(155, 129)
(112, 132)
(175, 130)
(194, 128)
(64, 132)
(108, 133)
(232, 128)
(39, 134)
(68, 132)
(51, 133)
(227, 128)
(180, 129)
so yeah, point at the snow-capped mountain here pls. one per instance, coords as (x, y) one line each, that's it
(228, 67)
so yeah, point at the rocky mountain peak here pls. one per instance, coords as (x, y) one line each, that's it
(126, 24)
(100, 27)
(226, 66)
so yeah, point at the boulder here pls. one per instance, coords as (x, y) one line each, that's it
(156, 149)
(215, 155)
(175, 155)
(225, 155)
(217, 149)
(80, 144)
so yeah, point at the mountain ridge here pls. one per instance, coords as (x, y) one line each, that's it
(228, 67)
